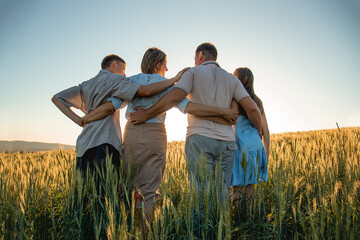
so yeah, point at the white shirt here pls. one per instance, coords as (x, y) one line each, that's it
(211, 85)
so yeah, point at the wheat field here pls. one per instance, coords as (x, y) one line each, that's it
(313, 192)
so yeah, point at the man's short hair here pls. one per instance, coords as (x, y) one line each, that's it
(208, 49)
(106, 62)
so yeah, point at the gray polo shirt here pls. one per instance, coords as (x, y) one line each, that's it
(89, 95)
(209, 84)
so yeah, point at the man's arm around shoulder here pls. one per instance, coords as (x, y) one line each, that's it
(253, 112)
(168, 101)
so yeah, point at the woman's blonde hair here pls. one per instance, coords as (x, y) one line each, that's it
(152, 57)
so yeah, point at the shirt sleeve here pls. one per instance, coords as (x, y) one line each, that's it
(186, 82)
(116, 102)
(240, 92)
(182, 105)
(71, 97)
(125, 88)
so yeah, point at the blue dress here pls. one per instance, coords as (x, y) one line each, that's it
(250, 163)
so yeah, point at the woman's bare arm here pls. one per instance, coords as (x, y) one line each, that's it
(99, 113)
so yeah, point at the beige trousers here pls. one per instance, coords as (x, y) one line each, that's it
(144, 149)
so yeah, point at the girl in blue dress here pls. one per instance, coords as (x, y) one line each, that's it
(250, 163)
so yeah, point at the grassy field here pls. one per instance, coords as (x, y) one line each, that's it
(313, 193)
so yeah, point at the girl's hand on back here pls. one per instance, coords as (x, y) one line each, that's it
(230, 115)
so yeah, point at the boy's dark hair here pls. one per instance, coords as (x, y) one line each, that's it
(106, 62)
(208, 49)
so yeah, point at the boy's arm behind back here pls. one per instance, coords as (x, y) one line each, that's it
(68, 98)
(68, 112)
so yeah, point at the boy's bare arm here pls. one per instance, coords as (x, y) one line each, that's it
(158, 87)
(68, 112)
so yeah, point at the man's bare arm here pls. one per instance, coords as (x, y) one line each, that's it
(158, 87)
(253, 112)
(169, 100)
(68, 112)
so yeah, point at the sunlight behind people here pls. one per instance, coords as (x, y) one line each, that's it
(176, 125)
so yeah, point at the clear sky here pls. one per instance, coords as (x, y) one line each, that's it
(305, 56)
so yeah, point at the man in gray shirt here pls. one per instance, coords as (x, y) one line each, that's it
(207, 83)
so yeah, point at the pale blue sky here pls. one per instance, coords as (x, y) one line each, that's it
(305, 56)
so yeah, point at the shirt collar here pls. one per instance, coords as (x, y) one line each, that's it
(210, 62)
